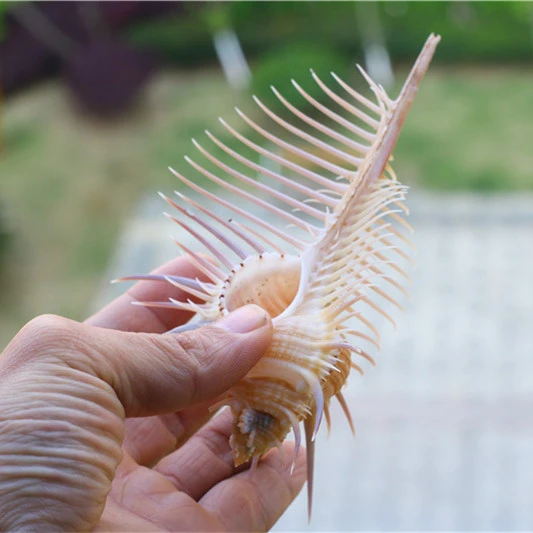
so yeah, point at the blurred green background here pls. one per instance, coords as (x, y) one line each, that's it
(72, 173)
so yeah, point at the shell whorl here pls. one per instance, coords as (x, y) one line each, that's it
(339, 258)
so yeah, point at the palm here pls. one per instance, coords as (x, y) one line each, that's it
(195, 487)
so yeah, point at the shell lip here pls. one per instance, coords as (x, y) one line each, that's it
(306, 260)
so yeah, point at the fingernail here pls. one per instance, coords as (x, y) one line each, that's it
(244, 319)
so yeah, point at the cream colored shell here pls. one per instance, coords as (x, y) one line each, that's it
(336, 262)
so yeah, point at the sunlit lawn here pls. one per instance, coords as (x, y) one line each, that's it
(470, 129)
(69, 183)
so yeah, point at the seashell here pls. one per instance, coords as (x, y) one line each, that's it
(313, 277)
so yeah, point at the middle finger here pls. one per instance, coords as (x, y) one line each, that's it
(149, 439)
(202, 461)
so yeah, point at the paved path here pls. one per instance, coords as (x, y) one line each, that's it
(445, 422)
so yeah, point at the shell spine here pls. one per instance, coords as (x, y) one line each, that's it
(340, 262)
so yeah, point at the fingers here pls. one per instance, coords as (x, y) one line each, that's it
(122, 315)
(203, 467)
(152, 374)
(245, 502)
(255, 501)
(152, 504)
(203, 461)
(155, 374)
(149, 439)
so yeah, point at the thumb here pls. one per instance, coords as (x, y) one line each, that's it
(151, 373)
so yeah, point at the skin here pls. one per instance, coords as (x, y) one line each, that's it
(105, 425)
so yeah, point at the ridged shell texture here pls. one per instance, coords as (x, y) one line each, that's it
(339, 258)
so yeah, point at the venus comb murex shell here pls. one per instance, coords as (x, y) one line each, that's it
(345, 236)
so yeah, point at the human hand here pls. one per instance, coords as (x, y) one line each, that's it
(106, 425)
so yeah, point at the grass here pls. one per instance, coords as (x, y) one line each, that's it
(470, 130)
(69, 183)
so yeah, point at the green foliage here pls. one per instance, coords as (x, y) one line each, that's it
(2, 20)
(280, 65)
(218, 16)
(6, 234)
(469, 129)
(472, 31)
(4, 8)
(332, 25)
(183, 41)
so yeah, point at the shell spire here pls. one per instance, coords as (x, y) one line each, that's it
(324, 277)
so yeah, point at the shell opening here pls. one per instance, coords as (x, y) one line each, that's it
(252, 420)
(268, 280)
(254, 432)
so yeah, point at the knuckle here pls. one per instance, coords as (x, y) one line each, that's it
(208, 350)
(192, 362)
(195, 347)
(178, 368)
(187, 343)
(177, 354)
(193, 355)
(43, 333)
(44, 323)
(46, 327)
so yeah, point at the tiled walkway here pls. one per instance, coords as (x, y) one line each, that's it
(445, 422)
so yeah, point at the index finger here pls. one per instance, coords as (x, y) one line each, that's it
(122, 315)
